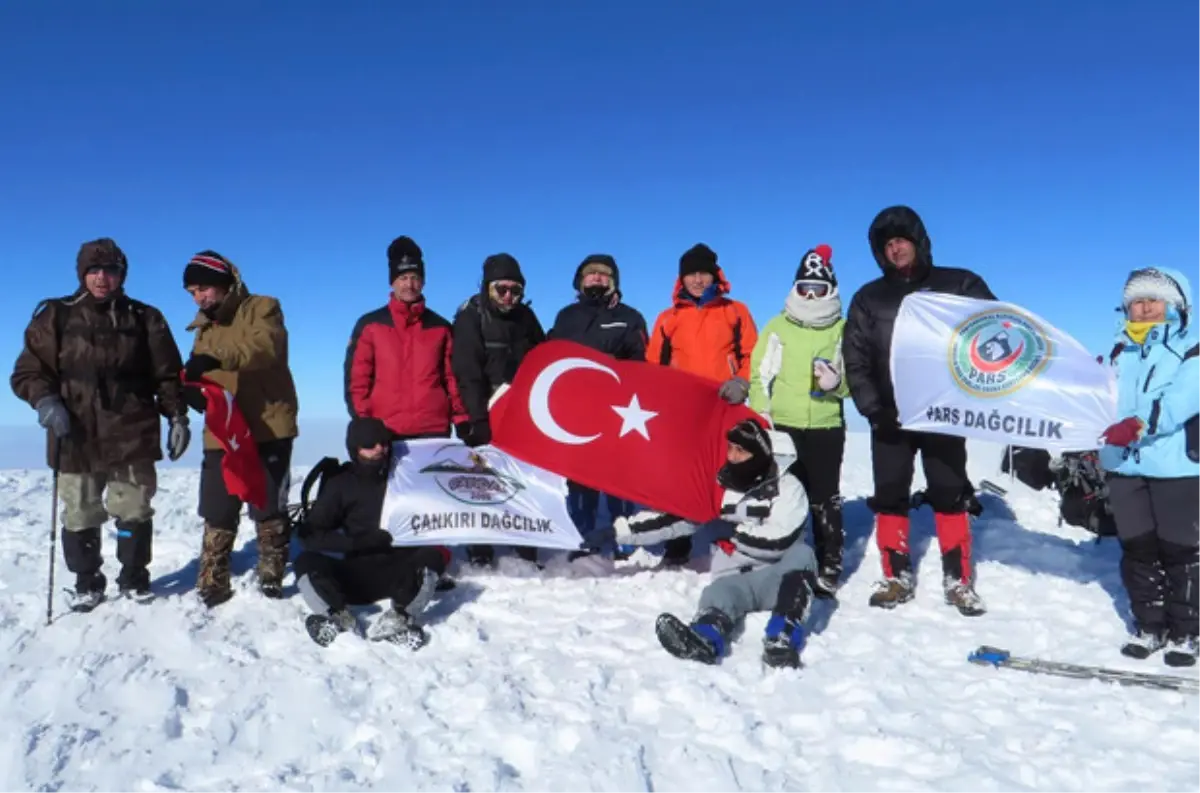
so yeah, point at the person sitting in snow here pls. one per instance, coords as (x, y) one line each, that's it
(766, 565)
(345, 519)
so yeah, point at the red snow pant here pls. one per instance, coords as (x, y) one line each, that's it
(944, 458)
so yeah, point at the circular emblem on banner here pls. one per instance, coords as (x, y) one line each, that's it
(467, 476)
(996, 352)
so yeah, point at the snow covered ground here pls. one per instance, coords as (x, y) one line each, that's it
(553, 680)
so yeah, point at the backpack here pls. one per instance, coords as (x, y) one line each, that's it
(325, 469)
(1080, 482)
(1076, 477)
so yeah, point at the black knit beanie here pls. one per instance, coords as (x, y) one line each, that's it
(698, 259)
(208, 268)
(404, 256)
(502, 267)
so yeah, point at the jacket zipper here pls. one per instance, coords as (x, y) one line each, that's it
(1146, 385)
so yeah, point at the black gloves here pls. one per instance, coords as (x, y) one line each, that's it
(198, 365)
(194, 398)
(374, 540)
(885, 423)
(474, 433)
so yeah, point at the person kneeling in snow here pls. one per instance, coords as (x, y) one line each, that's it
(765, 566)
(345, 519)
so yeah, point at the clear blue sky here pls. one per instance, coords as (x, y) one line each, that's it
(1051, 146)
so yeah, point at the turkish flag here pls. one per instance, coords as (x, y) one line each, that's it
(651, 434)
(241, 467)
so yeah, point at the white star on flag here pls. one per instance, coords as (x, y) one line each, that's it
(634, 418)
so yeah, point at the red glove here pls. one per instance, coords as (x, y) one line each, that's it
(1124, 432)
(727, 546)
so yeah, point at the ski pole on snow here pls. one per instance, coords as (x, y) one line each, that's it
(53, 530)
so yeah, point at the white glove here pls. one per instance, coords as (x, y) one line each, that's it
(827, 377)
(621, 533)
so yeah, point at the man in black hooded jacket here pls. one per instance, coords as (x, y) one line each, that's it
(598, 319)
(493, 332)
(903, 252)
(346, 519)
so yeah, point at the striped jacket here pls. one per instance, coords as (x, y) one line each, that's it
(766, 521)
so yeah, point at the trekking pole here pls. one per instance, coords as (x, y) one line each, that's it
(53, 530)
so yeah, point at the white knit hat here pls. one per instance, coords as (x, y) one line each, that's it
(1152, 284)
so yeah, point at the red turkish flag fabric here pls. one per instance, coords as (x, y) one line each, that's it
(241, 467)
(646, 433)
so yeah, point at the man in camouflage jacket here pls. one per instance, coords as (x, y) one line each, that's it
(101, 368)
(241, 343)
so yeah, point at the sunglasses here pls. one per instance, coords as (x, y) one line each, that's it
(504, 290)
(107, 269)
(813, 289)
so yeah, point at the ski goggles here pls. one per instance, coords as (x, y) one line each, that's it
(813, 289)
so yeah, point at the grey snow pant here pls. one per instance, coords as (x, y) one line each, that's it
(737, 594)
(1158, 524)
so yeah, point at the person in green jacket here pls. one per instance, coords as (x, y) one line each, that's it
(797, 381)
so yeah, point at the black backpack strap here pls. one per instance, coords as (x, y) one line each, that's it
(325, 469)
(1116, 350)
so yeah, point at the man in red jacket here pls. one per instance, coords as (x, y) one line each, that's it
(398, 360)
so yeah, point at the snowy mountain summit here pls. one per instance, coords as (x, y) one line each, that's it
(554, 680)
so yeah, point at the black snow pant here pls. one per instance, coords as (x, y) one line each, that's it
(328, 584)
(818, 466)
(1158, 525)
(947, 491)
(221, 510)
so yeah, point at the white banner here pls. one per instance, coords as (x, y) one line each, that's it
(993, 371)
(440, 492)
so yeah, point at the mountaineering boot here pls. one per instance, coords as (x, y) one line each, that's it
(212, 581)
(829, 539)
(396, 626)
(1144, 643)
(273, 539)
(891, 535)
(782, 642)
(892, 591)
(704, 640)
(784, 637)
(962, 595)
(954, 536)
(324, 628)
(81, 551)
(1181, 652)
(134, 552)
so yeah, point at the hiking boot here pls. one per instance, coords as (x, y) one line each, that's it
(962, 596)
(704, 640)
(273, 539)
(1144, 643)
(782, 643)
(891, 592)
(89, 592)
(212, 581)
(324, 628)
(1181, 652)
(134, 545)
(397, 627)
(827, 582)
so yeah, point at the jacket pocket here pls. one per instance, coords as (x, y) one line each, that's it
(1190, 429)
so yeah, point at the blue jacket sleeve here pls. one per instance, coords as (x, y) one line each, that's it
(1177, 403)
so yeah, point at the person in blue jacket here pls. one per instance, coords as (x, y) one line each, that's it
(1151, 457)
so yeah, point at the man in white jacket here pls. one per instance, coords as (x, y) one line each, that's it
(764, 566)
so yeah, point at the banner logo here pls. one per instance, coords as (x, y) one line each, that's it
(469, 478)
(996, 352)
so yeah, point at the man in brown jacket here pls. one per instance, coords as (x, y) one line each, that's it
(101, 368)
(242, 344)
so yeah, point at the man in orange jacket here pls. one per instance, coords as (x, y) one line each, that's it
(707, 333)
